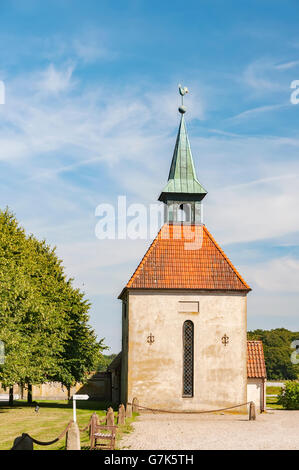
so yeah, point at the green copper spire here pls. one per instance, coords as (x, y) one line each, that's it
(182, 175)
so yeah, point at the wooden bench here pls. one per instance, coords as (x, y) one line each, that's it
(103, 437)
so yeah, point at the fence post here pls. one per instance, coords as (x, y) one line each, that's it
(129, 411)
(73, 437)
(135, 405)
(110, 417)
(121, 415)
(252, 413)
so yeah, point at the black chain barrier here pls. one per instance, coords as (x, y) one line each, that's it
(156, 410)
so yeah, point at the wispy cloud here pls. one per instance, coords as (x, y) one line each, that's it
(102, 266)
(91, 46)
(54, 80)
(261, 181)
(250, 212)
(259, 76)
(277, 275)
(287, 65)
(72, 143)
(251, 113)
(267, 77)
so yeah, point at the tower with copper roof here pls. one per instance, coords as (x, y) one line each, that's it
(184, 345)
(183, 192)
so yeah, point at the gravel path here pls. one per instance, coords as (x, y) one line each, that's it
(275, 429)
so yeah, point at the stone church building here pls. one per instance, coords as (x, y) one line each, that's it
(184, 327)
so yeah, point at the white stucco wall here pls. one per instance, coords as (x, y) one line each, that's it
(256, 391)
(154, 372)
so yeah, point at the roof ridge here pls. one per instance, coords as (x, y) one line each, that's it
(226, 258)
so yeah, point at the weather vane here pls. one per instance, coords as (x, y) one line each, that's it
(182, 91)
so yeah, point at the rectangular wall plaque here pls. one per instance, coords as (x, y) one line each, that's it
(188, 307)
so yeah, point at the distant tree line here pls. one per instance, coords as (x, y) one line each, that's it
(277, 350)
(43, 318)
(105, 361)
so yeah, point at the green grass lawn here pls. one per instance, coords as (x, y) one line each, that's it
(49, 422)
(272, 403)
(273, 390)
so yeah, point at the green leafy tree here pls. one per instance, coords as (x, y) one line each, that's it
(277, 350)
(81, 349)
(289, 396)
(22, 309)
(105, 361)
(43, 318)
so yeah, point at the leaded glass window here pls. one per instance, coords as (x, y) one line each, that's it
(188, 340)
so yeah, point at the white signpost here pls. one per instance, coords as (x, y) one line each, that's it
(75, 398)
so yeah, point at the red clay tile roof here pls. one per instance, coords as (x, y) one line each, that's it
(171, 263)
(255, 360)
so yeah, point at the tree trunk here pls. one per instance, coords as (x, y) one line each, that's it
(29, 396)
(10, 402)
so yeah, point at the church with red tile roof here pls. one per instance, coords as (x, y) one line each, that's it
(184, 309)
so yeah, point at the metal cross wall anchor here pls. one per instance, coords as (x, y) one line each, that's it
(225, 340)
(150, 339)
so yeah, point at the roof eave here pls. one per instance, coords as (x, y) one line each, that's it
(179, 196)
(256, 376)
(127, 289)
(122, 293)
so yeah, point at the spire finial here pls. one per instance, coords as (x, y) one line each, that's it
(182, 91)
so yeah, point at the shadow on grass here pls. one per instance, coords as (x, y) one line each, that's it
(80, 405)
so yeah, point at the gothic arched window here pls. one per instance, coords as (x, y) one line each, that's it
(188, 366)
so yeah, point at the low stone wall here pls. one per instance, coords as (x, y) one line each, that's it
(98, 387)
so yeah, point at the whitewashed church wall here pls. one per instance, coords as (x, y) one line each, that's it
(155, 371)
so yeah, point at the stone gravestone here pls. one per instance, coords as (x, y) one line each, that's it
(121, 415)
(135, 405)
(110, 417)
(129, 410)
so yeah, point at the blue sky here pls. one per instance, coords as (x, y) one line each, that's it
(91, 113)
